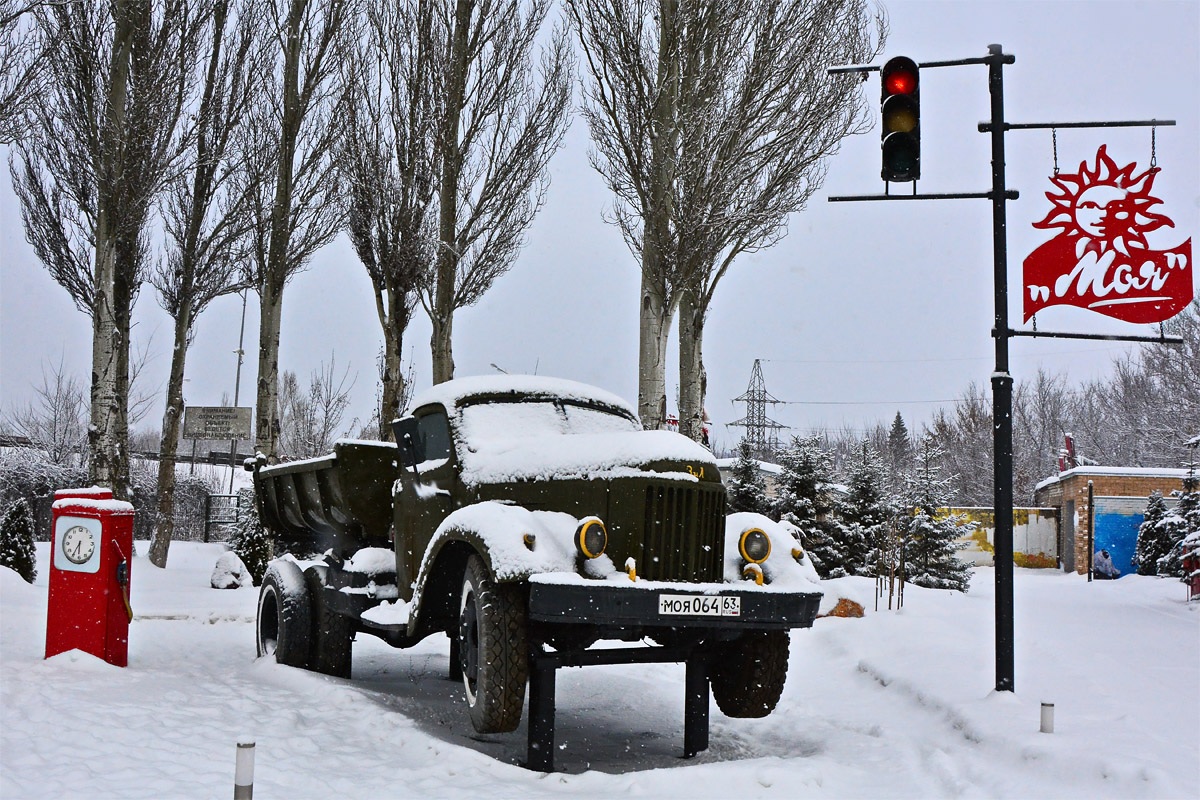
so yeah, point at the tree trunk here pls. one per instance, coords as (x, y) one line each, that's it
(164, 528)
(654, 330)
(104, 444)
(657, 306)
(266, 412)
(275, 272)
(392, 379)
(691, 367)
(442, 313)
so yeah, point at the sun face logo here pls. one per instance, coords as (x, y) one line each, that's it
(1101, 259)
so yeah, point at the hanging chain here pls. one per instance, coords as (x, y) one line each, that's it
(1153, 147)
(1054, 144)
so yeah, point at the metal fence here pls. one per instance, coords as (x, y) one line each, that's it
(220, 511)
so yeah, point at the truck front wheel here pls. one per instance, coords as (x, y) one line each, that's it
(284, 626)
(492, 649)
(749, 672)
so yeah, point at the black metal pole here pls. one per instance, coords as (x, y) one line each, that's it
(1091, 539)
(1001, 383)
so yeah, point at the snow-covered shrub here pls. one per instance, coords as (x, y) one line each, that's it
(26, 473)
(230, 572)
(16, 541)
(250, 540)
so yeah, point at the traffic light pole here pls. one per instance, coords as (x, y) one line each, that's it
(1002, 381)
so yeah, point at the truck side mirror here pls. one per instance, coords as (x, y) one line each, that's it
(407, 441)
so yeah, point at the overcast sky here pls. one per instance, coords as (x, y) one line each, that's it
(862, 310)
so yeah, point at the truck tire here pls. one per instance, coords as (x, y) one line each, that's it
(492, 649)
(332, 634)
(284, 627)
(748, 674)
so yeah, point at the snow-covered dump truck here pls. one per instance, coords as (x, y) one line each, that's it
(528, 518)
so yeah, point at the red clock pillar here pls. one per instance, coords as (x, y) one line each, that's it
(91, 551)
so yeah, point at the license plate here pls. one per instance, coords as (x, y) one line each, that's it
(699, 605)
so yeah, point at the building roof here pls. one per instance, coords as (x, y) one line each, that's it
(1131, 472)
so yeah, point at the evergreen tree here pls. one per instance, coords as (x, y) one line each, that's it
(929, 542)
(1177, 525)
(16, 541)
(747, 489)
(864, 513)
(1151, 542)
(900, 452)
(803, 500)
(250, 540)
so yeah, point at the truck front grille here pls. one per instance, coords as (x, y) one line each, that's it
(684, 537)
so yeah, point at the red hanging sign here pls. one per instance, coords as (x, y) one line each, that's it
(1100, 259)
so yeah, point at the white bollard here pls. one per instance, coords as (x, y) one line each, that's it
(243, 771)
(1047, 717)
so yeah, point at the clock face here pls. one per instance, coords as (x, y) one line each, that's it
(78, 544)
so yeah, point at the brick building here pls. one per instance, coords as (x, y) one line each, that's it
(1119, 495)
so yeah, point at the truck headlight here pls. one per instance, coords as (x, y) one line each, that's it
(591, 538)
(754, 546)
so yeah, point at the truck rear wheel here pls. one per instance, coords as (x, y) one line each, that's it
(332, 634)
(748, 674)
(284, 627)
(492, 649)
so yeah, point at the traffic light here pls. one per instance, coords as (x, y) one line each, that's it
(901, 111)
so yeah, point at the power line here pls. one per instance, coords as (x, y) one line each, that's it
(862, 402)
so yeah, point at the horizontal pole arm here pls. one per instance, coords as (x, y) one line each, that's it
(1104, 337)
(1011, 194)
(958, 62)
(986, 127)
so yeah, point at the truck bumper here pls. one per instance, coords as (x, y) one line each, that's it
(671, 607)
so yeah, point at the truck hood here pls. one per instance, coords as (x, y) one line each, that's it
(586, 456)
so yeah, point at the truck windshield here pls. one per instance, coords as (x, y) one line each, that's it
(541, 418)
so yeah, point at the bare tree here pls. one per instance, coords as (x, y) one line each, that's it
(1041, 416)
(502, 118)
(310, 422)
(388, 163)
(20, 66)
(55, 421)
(297, 208)
(711, 122)
(105, 135)
(754, 142)
(206, 220)
(632, 107)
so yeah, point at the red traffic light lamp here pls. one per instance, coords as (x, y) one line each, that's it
(901, 114)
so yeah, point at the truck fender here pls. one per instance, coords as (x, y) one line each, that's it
(787, 565)
(497, 532)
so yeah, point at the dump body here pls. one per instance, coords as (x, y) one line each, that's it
(341, 501)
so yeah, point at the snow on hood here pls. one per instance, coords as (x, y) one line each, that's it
(588, 456)
(451, 392)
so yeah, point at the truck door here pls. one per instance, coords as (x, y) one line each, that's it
(423, 500)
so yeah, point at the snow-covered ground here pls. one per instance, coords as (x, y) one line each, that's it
(895, 704)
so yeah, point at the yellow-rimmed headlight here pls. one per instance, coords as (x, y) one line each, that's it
(754, 546)
(591, 538)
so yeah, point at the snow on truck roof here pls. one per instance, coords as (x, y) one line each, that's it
(453, 393)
